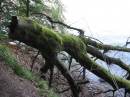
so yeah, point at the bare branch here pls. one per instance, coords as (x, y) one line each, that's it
(63, 90)
(107, 59)
(61, 23)
(33, 61)
(83, 82)
(88, 41)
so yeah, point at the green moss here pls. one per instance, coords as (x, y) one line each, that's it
(42, 35)
(73, 44)
(73, 41)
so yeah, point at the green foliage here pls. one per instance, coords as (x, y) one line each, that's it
(11, 61)
(53, 8)
(42, 85)
(3, 36)
(20, 71)
(45, 90)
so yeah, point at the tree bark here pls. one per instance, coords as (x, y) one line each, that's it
(27, 14)
(0, 12)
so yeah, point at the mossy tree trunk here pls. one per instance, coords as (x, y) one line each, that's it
(49, 43)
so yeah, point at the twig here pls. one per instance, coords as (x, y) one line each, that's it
(34, 60)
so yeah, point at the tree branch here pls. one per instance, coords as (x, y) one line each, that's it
(88, 41)
(107, 59)
(73, 86)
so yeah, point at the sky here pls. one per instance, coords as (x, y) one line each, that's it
(107, 20)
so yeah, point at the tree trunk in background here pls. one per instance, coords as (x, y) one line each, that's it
(0, 12)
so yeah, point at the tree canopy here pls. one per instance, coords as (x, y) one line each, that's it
(37, 9)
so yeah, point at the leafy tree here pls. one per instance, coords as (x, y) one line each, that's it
(53, 8)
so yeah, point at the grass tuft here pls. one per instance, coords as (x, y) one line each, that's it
(10, 60)
(44, 87)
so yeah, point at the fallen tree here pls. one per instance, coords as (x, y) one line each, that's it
(49, 43)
